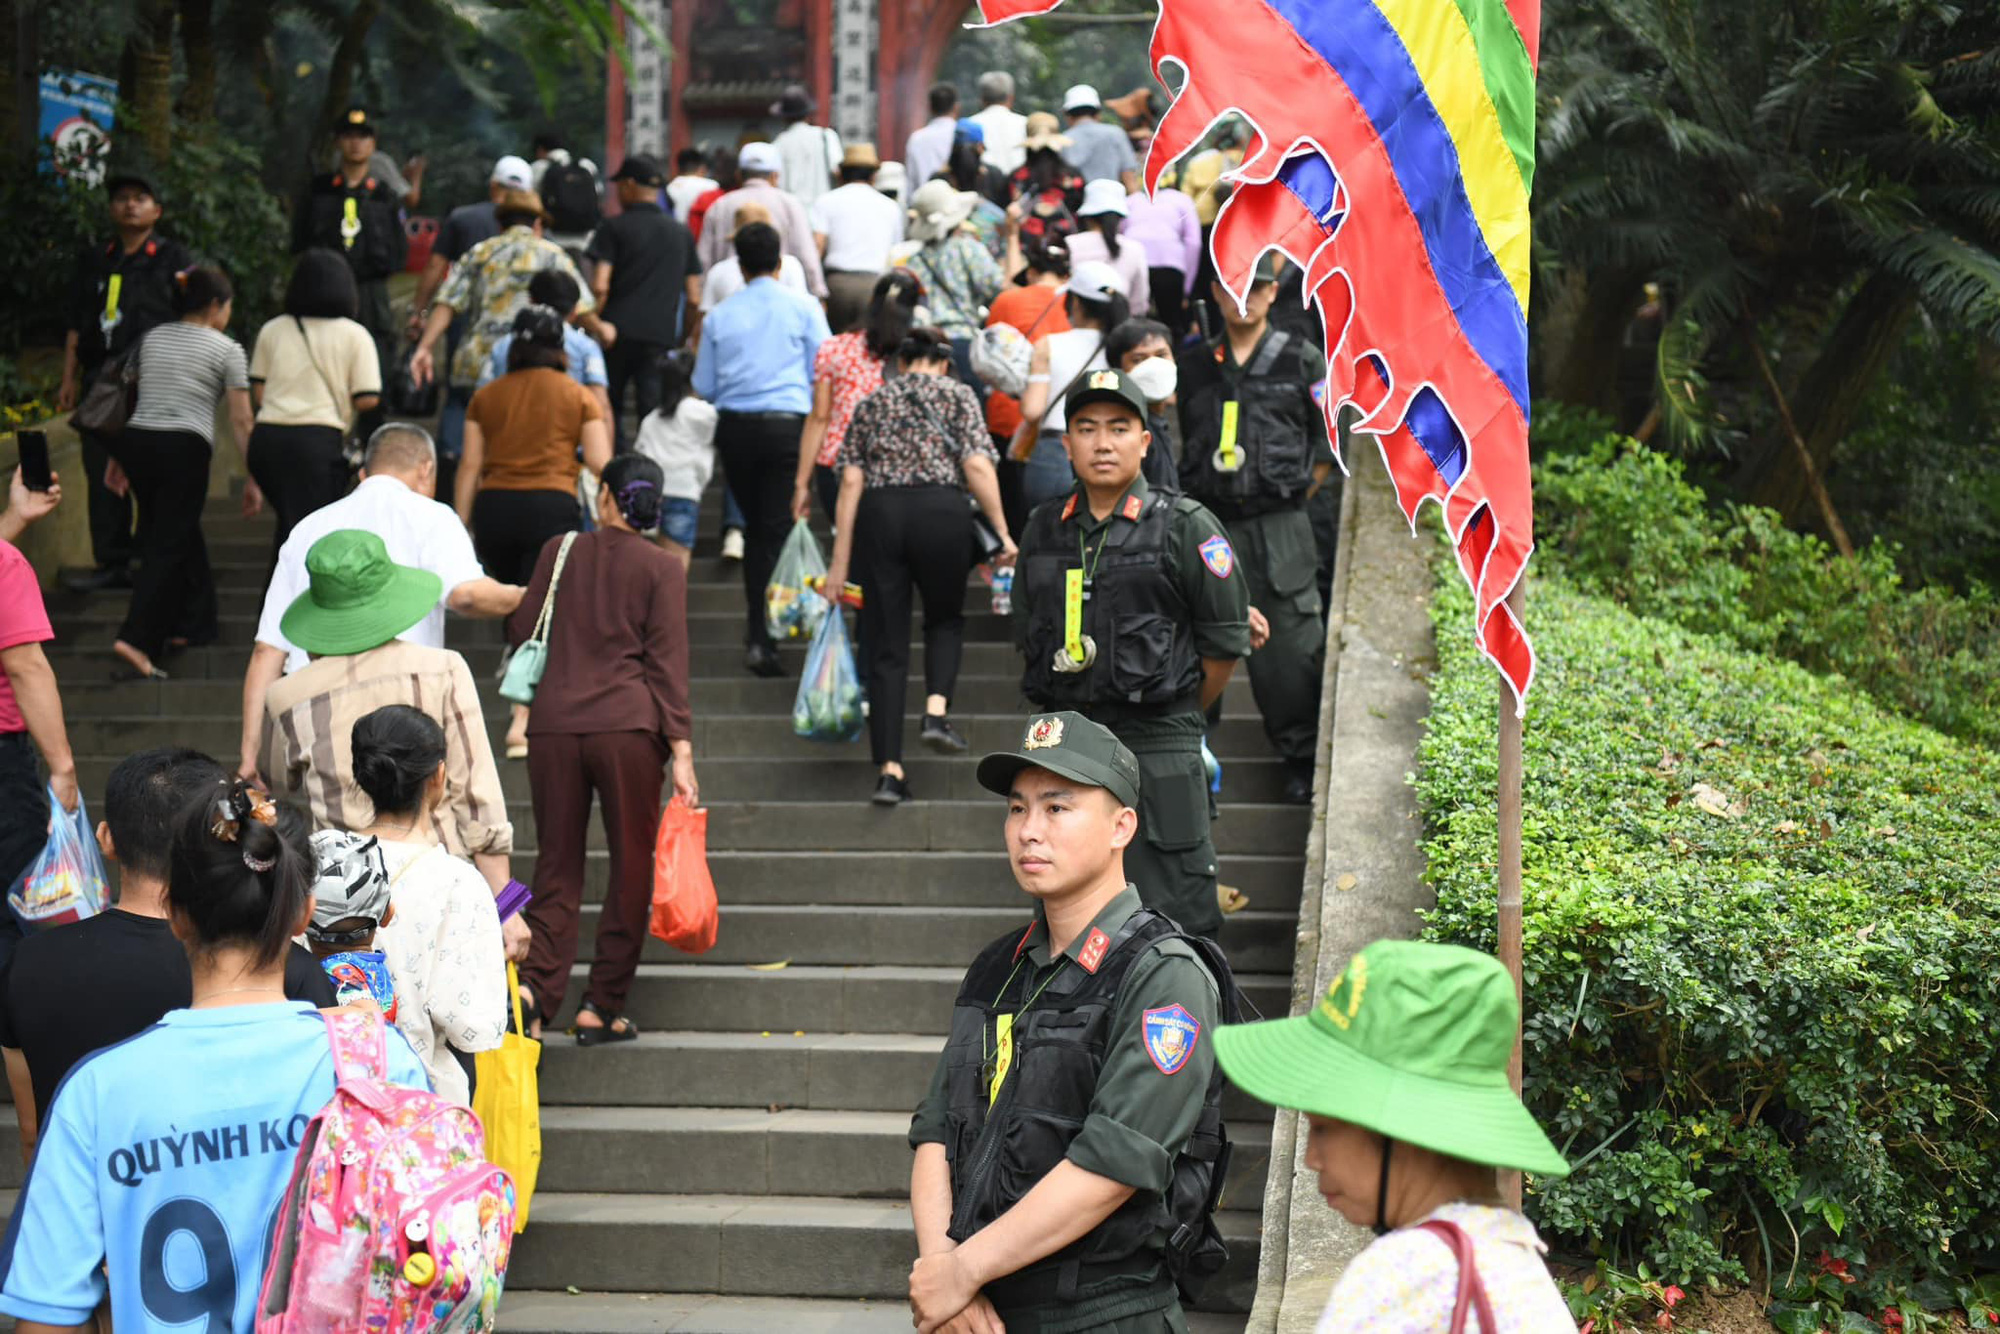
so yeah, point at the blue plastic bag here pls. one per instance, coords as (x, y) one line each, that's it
(828, 706)
(66, 882)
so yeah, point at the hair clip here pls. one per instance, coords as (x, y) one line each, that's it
(634, 487)
(258, 864)
(233, 807)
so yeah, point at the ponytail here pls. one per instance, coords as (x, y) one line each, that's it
(240, 873)
(1107, 225)
(200, 286)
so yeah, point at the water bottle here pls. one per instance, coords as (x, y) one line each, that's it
(1003, 591)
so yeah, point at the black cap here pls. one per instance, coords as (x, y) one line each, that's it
(642, 169)
(1073, 746)
(1267, 268)
(1106, 386)
(122, 177)
(795, 104)
(355, 120)
(540, 325)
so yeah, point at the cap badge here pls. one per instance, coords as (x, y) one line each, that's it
(1355, 978)
(1104, 380)
(1043, 732)
(357, 118)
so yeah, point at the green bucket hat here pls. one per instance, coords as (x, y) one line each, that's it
(358, 598)
(1411, 1041)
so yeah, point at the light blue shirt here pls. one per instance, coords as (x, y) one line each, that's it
(586, 359)
(757, 350)
(165, 1157)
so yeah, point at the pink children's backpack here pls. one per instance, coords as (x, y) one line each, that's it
(394, 1222)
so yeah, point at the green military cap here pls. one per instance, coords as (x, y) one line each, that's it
(1106, 386)
(1411, 1041)
(1071, 745)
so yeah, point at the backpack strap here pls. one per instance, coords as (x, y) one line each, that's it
(360, 1045)
(1471, 1290)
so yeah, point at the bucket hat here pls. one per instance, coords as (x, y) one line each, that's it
(1411, 1041)
(1045, 131)
(1105, 196)
(937, 210)
(356, 598)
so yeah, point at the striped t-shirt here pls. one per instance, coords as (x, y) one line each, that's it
(183, 371)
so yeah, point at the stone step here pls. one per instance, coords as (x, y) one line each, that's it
(693, 1313)
(829, 1072)
(754, 1151)
(739, 735)
(768, 1246)
(1256, 942)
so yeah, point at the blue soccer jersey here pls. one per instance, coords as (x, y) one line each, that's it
(163, 1160)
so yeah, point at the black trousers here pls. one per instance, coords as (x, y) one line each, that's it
(908, 536)
(24, 824)
(510, 528)
(173, 590)
(112, 544)
(299, 469)
(637, 365)
(826, 485)
(759, 452)
(1169, 290)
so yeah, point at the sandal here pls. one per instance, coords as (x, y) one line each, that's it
(516, 750)
(610, 1028)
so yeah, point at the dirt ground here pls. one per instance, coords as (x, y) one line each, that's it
(1737, 1313)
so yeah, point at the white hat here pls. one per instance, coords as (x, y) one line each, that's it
(891, 178)
(1082, 97)
(1094, 280)
(936, 210)
(514, 173)
(760, 157)
(1105, 196)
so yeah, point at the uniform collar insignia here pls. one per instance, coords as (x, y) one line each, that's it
(1069, 507)
(1091, 956)
(1133, 505)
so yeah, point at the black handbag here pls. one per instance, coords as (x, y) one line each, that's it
(112, 397)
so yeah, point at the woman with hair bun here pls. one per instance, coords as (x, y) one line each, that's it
(443, 940)
(916, 446)
(611, 713)
(186, 367)
(181, 1138)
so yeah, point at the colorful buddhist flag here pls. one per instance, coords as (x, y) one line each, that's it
(1392, 159)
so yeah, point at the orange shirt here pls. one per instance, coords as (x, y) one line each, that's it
(532, 421)
(1022, 307)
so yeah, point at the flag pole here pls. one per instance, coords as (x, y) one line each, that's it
(1510, 871)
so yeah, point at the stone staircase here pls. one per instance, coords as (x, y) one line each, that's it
(742, 1167)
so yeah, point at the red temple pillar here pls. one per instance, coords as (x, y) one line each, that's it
(819, 57)
(914, 36)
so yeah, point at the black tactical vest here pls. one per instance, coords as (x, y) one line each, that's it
(1277, 425)
(999, 1153)
(380, 247)
(1141, 623)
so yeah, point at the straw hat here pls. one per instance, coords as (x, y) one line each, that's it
(937, 210)
(1045, 131)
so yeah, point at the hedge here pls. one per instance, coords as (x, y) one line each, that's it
(1762, 926)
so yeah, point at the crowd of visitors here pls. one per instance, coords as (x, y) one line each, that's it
(799, 316)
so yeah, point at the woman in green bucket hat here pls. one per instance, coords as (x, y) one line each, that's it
(1401, 1072)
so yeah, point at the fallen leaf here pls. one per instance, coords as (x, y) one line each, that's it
(1865, 932)
(1816, 758)
(1346, 882)
(1714, 801)
(1713, 743)
(573, 1290)
(1669, 762)
(769, 967)
(798, 1032)
(1785, 827)
(765, 1034)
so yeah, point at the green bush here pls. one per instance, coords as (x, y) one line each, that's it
(1623, 520)
(1762, 916)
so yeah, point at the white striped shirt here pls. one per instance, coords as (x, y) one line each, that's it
(183, 371)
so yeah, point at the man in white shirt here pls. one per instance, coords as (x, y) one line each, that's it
(1005, 127)
(810, 152)
(855, 226)
(394, 501)
(692, 182)
(930, 148)
(760, 166)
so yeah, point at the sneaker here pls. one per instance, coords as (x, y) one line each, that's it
(892, 791)
(941, 736)
(732, 544)
(762, 660)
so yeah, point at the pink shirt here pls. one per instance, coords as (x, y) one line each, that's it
(23, 620)
(845, 362)
(1406, 1282)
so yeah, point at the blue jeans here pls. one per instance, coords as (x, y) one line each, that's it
(451, 425)
(1047, 475)
(732, 513)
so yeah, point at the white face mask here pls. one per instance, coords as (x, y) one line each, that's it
(1157, 378)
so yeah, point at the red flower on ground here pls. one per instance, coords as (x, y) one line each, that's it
(1663, 1320)
(1892, 1319)
(1669, 1295)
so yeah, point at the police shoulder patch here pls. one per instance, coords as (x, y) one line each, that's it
(1091, 956)
(1218, 556)
(1170, 1034)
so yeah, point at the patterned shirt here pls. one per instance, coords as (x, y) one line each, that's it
(960, 279)
(916, 430)
(845, 363)
(309, 720)
(488, 287)
(1407, 1281)
(444, 950)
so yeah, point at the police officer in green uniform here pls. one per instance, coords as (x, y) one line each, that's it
(1129, 609)
(351, 212)
(1070, 1149)
(1255, 452)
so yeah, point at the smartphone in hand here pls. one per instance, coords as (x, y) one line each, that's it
(35, 472)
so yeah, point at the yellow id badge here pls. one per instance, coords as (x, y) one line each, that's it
(1073, 614)
(1003, 1056)
(113, 289)
(1226, 457)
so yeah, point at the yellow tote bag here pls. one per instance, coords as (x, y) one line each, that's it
(508, 1102)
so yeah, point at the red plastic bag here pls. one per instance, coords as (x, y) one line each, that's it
(684, 908)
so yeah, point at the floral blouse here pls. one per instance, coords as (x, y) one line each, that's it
(844, 362)
(1406, 1282)
(916, 430)
(960, 278)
